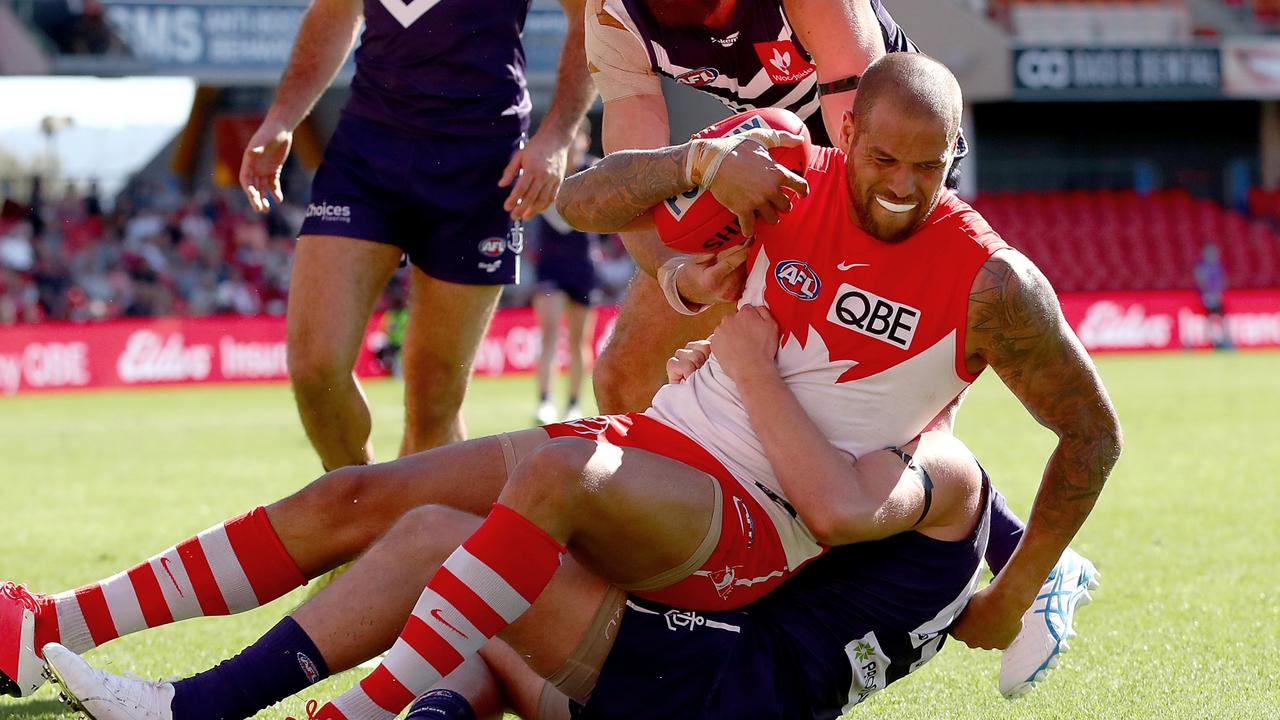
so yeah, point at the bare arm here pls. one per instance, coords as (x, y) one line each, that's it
(839, 498)
(324, 40)
(639, 122)
(736, 169)
(542, 163)
(618, 190)
(1016, 326)
(635, 113)
(635, 118)
(843, 36)
(574, 89)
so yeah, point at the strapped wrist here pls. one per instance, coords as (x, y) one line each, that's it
(667, 281)
(707, 154)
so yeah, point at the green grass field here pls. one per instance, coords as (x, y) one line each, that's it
(1187, 534)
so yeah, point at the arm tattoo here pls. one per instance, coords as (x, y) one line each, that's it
(619, 188)
(1016, 326)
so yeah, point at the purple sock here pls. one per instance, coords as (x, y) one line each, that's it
(441, 705)
(1006, 532)
(281, 663)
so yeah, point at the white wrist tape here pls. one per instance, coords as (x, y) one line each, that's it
(667, 281)
(709, 153)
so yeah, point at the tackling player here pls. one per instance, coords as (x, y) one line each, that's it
(851, 622)
(431, 135)
(911, 301)
(718, 497)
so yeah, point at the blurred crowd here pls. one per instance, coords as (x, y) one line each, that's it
(76, 27)
(153, 253)
(156, 252)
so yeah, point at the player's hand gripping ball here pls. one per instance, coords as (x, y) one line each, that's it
(696, 221)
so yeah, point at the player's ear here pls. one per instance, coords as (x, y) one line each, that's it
(846, 132)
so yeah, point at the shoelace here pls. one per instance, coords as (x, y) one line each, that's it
(312, 707)
(136, 689)
(21, 595)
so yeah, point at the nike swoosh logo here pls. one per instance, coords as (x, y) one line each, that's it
(435, 613)
(164, 563)
(850, 266)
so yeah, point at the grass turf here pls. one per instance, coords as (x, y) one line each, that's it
(1187, 534)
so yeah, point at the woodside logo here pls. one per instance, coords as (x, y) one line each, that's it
(782, 62)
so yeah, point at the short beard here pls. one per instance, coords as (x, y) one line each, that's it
(682, 13)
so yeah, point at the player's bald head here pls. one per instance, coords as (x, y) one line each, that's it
(916, 85)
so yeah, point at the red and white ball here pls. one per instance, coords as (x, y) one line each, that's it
(695, 221)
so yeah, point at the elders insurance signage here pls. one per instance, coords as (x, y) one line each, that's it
(126, 353)
(1170, 320)
(1251, 68)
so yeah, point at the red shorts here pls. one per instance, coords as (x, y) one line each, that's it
(747, 562)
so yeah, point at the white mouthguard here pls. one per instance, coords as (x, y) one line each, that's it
(895, 207)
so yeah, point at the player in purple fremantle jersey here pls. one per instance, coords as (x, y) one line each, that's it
(427, 162)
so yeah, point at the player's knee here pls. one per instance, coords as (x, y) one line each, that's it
(430, 532)
(313, 370)
(350, 504)
(552, 476)
(434, 390)
(618, 388)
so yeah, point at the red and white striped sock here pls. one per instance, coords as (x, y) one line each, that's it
(482, 588)
(229, 568)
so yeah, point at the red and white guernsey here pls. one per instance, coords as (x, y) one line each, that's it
(873, 334)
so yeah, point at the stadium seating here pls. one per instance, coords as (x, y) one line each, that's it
(1265, 204)
(1267, 12)
(1095, 22)
(1119, 240)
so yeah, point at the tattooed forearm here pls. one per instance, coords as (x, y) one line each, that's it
(1073, 479)
(1016, 327)
(606, 197)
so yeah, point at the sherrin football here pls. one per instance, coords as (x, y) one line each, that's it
(695, 221)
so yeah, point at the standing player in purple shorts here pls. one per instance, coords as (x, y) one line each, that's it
(426, 162)
(567, 285)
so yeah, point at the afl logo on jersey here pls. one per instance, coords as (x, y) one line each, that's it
(698, 78)
(492, 247)
(798, 279)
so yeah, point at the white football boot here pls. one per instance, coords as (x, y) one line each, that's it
(573, 412)
(21, 669)
(1047, 625)
(103, 696)
(546, 413)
